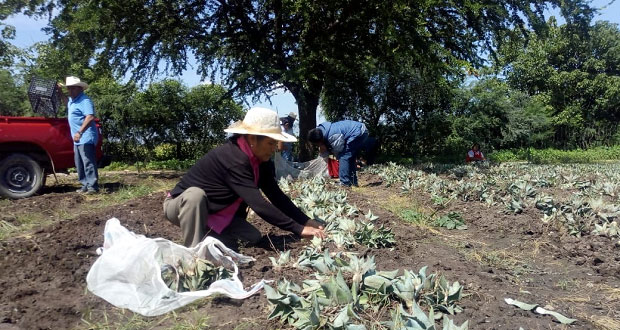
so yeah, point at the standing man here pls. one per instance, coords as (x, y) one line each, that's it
(81, 115)
(344, 139)
(286, 148)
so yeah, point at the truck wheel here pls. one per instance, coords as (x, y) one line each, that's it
(20, 176)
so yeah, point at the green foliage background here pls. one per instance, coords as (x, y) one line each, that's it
(509, 80)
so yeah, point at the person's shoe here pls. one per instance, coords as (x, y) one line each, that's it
(81, 190)
(92, 191)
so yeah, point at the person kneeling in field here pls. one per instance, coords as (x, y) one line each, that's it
(474, 154)
(212, 197)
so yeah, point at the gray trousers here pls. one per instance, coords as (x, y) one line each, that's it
(189, 211)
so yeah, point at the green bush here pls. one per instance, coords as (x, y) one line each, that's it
(171, 164)
(164, 151)
(503, 156)
(554, 156)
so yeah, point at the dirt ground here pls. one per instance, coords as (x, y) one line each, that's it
(43, 282)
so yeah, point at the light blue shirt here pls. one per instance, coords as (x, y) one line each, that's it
(339, 134)
(78, 109)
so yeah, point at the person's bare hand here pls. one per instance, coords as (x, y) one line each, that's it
(310, 232)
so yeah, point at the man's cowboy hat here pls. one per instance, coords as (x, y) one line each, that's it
(72, 81)
(292, 115)
(261, 121)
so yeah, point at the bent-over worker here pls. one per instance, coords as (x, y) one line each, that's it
(212, 197)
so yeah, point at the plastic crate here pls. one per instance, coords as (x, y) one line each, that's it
(43, 96)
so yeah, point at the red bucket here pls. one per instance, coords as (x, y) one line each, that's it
(332, 167)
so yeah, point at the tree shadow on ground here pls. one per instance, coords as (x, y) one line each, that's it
(59, 189)
(374, 184)
(108, 188)
(111, 187)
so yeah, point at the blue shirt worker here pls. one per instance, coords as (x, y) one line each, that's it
(287, 126)
(344, 139)
(81, 115)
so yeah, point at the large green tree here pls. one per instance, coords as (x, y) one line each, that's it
(575, 70)
(256, 46)
(13, 101)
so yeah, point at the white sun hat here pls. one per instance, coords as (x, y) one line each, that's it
(72, 81)
(261, 121)
(292, 115)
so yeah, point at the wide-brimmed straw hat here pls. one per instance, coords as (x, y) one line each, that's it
(261, 121)
(72, 81)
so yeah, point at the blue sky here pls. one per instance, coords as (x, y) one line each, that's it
(29, 31)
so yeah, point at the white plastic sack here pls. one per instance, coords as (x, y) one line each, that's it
(296, 170)
(128, 272)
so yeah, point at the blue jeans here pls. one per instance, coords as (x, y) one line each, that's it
(347, 170)
(288, 155)
(86, 165)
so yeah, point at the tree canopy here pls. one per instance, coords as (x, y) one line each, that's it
(304, 46)
(576, 71)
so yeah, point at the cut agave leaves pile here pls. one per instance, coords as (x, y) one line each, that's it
(195, 275)
(348, 292)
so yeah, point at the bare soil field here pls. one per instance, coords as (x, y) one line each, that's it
(43, 280)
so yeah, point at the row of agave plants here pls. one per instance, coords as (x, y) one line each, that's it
(346, 291)
(583, 199)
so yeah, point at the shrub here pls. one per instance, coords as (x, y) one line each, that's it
(164, 151)
(555, 156)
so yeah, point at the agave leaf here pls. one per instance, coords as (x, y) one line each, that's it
(522, 305)
(388, 274)
(337, 290)
(454, 294)
(561, 318)
(370, 216)
(343, 317)
(272, 294)
(377, 282)
(448, 324)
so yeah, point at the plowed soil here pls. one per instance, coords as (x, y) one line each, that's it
(43, 279)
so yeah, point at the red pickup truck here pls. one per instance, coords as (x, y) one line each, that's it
(31, 148)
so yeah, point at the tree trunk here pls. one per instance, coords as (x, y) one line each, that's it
(307, 99)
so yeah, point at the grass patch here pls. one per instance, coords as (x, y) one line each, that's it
(247, 325)
(172, 164)
(127, 320)
(25, 222)
(495, 259)
(414, 216)
(567, 284)
(606, 323)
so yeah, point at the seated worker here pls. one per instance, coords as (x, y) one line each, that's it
(286, 148)
(212, 197)
(344, 139)
(474, 155)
